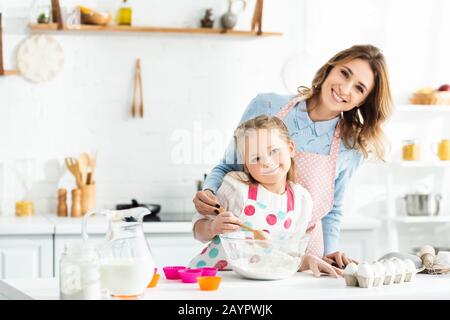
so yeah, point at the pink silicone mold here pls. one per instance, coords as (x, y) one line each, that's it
(209, 272)
(190, 275)
(171, 272)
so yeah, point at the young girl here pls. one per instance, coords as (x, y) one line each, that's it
(264, 196)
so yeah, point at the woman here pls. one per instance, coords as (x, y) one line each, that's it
(335, 124)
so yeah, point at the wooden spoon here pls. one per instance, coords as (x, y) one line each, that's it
(83, 163)
(257, 234)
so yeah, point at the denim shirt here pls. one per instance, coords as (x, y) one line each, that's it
(308, 136)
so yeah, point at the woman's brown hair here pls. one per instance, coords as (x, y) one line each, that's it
(251, 126)
(361, 128)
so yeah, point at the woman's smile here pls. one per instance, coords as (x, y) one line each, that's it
(337, 98)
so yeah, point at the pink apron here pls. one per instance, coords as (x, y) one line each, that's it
(316, 173)
(256, 213)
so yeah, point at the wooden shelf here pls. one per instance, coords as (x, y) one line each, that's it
(422, 164)
(426, 219)
(93, 28)
(10, 72)
(427, 108)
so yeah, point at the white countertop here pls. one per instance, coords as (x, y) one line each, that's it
(51, 224)
(37, 225)
(300, 286)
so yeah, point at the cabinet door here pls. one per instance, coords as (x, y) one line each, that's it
(173, 248)
(358, 244)
(26, 257)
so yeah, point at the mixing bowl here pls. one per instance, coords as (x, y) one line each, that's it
(276, 258)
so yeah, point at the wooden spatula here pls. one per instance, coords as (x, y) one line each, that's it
(72, 165)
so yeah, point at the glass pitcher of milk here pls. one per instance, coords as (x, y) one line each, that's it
(126, 262)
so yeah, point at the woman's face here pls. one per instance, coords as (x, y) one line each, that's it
(347, 86)
(268, 156)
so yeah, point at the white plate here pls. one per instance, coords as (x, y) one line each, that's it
(40, 58)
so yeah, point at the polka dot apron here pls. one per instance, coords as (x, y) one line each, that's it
(316, 173)
(257, 213)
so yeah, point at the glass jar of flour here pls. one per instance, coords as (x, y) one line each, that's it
(79, 277)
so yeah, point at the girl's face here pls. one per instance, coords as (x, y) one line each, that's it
(268, 156)
(347, 86)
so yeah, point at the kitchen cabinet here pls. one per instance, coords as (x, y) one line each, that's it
(29, 256)
(166, 248)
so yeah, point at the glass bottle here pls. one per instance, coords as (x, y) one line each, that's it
(124, 14)
(79, 276)
(411, 150)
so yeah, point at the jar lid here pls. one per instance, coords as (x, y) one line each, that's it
(80, 248)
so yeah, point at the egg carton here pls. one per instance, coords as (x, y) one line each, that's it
(380, 273)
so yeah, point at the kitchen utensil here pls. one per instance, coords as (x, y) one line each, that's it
(153, 208)
(75, 210)
(40, 58)
(137, 85)
(209, 283)
(257, 16)
(83, 163)
(277, 258)
(93, 166)
(72, 165)
(189, 275)
(56, 14)
(154, 281)
(209, 271)
(126, 263)
(257, 234)
(88, 196)
(62, 203)
(171, 272)
(422, 204)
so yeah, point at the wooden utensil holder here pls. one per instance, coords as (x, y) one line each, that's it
(87, 198)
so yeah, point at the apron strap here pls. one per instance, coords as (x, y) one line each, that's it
(288, 107)
(335, 144)
(252, 192)
(290, 198)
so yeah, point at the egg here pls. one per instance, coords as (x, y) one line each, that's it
(389, 268)
(410, 270)
(427, 249)
(351, 269)
(365, 275)
(379, 273)
(400, 270)
(350, 273)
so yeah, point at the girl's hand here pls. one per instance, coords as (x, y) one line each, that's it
(338, 259)
(317, 266)
(224, 222)
(206, 202)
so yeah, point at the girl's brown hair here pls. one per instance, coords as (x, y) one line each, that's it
(361, 128)
(260, 122)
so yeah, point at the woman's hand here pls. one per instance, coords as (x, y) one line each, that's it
(206, 202)
(317, 266)
(338, 259)
(224, 222)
